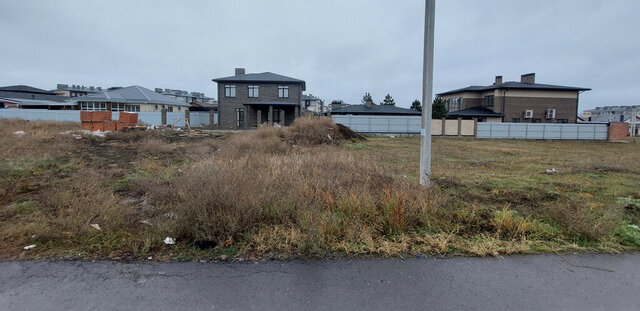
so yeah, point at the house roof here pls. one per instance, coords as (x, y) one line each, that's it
(25, 89)
(35, 102)
(264, 77)
(374, 109)
(271, 103)
(29, 95)
(131, 95)
(515, 85)
(475, 112)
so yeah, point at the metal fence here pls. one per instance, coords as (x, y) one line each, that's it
(381, 124)
(202, 118)
(149, 118)
(41, 114)
(542, 131)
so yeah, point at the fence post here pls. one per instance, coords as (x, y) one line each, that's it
(163, 116)
(459, 127)
(187, 117)
(444, 122)
(212, 118)
(509, 130)
(475, 127)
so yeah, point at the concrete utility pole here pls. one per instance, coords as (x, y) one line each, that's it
(427, 93)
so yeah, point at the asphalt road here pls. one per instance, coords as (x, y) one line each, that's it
(551, 282)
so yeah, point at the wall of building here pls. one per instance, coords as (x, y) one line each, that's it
(266, 93)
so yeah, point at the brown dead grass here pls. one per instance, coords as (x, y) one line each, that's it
(291, 192)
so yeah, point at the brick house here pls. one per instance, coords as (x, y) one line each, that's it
(524, 101)
(248, 100)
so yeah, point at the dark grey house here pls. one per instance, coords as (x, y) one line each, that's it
(27, 97)
(248, 100)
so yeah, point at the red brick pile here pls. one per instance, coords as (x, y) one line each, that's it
(102, 121)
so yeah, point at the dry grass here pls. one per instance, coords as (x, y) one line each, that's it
(291, 192)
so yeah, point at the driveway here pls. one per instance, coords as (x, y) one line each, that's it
(547, 282)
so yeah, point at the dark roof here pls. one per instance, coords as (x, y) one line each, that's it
(475, 112)
(375, 109)
(131, 95)
(516, 85)
(273, 103)
(25, 89)
(36, 102)
(33, 96)
(265, 77)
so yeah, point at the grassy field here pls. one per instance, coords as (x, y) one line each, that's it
(294, 193)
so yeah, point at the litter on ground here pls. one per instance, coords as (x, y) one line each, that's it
(28, 247)
(19, 133)
(96, 226)
(169, 241)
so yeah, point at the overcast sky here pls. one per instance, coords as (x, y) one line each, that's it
(341, 48)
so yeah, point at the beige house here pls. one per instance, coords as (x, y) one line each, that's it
(133, 99)
(524, 101)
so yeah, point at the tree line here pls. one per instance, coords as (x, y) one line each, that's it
(439, 109)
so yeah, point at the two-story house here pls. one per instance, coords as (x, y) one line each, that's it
(524, 101)
(248, 100)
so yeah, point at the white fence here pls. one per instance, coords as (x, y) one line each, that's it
(202, 118)
(149, 118)
(542, 131)
(381, 124)
(41, 114)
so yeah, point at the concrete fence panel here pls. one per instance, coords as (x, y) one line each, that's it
(404, 125)
(542, 131)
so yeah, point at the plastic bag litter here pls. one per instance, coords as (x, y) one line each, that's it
(169, 241)
(19, 133)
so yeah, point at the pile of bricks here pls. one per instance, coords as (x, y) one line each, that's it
(97, 121)
(127, 119)
(102, 121)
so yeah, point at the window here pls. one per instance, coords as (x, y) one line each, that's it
(240, 117)
(229, 91)
(170, 109)
(621, 118)
(515, 120)
(276, 116)
(454, 104)
(283, 91)
(132, 108)
(117, 107)
(253, 91)
(562, 121)
(488, 101)
(537, 120)
(93, 106)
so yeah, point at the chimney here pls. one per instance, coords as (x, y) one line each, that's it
(369, 103)
(336, 104)
(528, 78)
(240, 71)
(498, 80)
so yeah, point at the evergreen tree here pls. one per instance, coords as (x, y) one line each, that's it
(388, 100)
(416, 105)
(439, 109)
(366, 98)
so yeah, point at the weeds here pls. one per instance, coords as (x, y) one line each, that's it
(306, 191)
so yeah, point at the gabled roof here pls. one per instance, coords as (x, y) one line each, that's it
(375, 109)
(475, 112)
(25, 89)
(264, 77)
(131, 95)
(516, 85)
